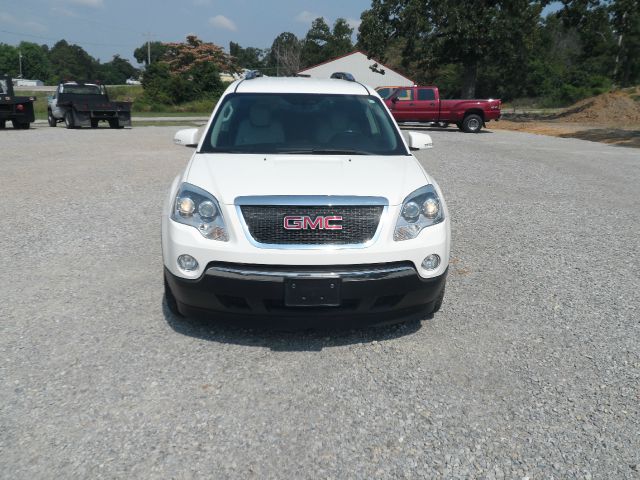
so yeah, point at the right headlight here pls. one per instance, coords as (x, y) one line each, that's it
(420, 209)
(199, 209)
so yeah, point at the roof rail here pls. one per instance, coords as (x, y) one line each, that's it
(251, 74)
(343, 76)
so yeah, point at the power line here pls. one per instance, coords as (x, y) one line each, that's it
(70, 41)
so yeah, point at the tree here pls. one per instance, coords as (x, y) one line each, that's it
(181, 57)
(156, 49)
(35, 60)
(284, 56)
(9, 60)
(117, 71)
(437, 32)
(71, 62)
(626, 23)
(340, 41)
(250, 57)
(313, 47)
(187, 71)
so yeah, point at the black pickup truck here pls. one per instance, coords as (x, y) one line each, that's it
(85, 105)
(17, 109)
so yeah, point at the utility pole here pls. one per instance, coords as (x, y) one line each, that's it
(20, 61)
(148, 35)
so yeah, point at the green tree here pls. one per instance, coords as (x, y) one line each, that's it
(250, 57)
(71, 62)
(340, 40)
(35, 61)
(157, 50)
(9, 60)
(313, 47)
(465, 32)
(626, 24)
(117, 71)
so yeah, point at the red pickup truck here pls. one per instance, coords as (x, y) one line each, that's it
(423, 104)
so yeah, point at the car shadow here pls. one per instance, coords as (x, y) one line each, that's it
(299, 340)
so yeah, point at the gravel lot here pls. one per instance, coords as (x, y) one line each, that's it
(531, 369)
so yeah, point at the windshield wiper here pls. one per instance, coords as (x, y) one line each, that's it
(326, 151)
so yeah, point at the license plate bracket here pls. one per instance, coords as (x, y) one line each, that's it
(312, 292)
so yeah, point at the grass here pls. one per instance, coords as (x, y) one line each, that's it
(131, 93)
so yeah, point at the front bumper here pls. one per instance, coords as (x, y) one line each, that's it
(369, 294)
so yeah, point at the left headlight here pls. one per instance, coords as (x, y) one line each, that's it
(197, 208)
(420, 209)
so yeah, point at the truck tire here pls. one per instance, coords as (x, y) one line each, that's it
(68, 120)
(94, 123)
(20, 125)
(3, 124)
(114, 123)
(51, 119)
(472, 123)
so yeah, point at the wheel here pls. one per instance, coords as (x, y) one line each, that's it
(438, 301)
(3, 124)
(472, 123)
(114, 124)
(94, 123)
(51, 119)
(20, 125)
(68, 120)
(442, 124)
(170, 300)
(459, 125)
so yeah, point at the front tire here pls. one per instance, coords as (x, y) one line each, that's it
(3, 124)
(68, 120)
(51, 119)
(94, 123)
(472, 123)
(438, 301)
(170, 300)
(114, 124)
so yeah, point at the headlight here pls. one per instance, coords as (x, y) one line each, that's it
(420, 209)
(199, 209)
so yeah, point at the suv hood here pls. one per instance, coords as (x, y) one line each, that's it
(228, 176)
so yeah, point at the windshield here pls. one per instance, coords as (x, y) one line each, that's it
(292, 123)
(82, 89)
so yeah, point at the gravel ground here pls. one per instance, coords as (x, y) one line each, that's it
(530, 370)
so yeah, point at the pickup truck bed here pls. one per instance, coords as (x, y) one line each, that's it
(87, 110)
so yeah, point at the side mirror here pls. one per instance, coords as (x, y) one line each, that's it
(188, 137)
(394, 99)
(417, 140)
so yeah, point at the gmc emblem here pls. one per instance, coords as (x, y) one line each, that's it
(305, 222)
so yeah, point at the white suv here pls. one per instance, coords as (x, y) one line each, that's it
(303, 203)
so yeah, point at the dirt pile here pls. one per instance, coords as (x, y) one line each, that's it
(616, 108)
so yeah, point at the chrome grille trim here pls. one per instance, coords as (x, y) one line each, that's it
(304, 201)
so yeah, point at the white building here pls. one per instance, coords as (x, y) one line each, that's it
(357, 64)
(23, 82)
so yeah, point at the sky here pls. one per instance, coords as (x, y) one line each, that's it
(107, 27)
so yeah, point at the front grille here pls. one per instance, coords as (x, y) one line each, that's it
(266, 224)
